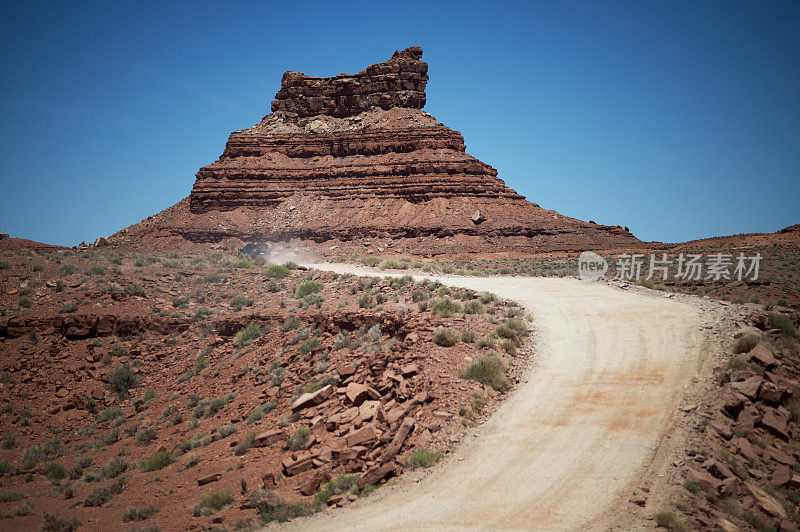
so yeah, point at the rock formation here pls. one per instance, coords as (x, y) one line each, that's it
(350, 157)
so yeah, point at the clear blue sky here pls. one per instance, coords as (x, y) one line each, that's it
(678, 119)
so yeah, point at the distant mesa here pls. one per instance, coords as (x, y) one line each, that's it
(353, 157)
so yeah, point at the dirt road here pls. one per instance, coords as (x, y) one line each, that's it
(571, 441)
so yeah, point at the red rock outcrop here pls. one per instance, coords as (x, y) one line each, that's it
(351, 157)
(399, 82)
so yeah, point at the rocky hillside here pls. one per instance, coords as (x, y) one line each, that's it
(353, 157)
(188, 392)
(741, 469)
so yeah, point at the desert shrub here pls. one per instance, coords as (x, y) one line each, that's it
(11, 496)
(787, 328)
(67, 308)
(275, 271)
(157, 461)
(138, 514)
(202, 313)
(114, 468)
(245, 444)
(180, 302)
(281, 512)
(146, 435)
(109, 414)
(122, 379)
(420, 295)
(487, 342)
(102, 494)
(473, 307)
(342, 484)
(736, 363)
(6, 468)
(366, 301)
(54, 472)
(298, 440)
(292, 322)
(248, 334)
(445, 337)
(148, 395)
(509, 346)
(242, 264)
(241, 300)
(96, 270)
(26, 508)
(307, 288)
(135, 290)
(25, 302)
(468, 337)
(488, 370)
(9, 440)
(225, 431)
(745, 343)
(514, 330)
(67, 269)
(308, 346)
(666, 520)
(213, 278)
(488, 298)
(692, 486)
(31, 457)
(4, 265)
(446, 307)
(217, 403)
(424, 458)
(54, 523)
(212, 503)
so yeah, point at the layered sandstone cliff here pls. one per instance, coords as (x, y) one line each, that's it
(353, 157)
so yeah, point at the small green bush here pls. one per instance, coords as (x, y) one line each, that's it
(292, 322)
(445, 307)
(138, 514)
(248, 334)
(25, 302)
(667, 520)
(445, 337)
(424, 458)
(54, 472)
(122, 379)
(114, 468)
(489, 370)
(6, 468)
(473, 306)
(146, 435)
(135, 290)
(9, 440)
(11, 496)
(785, 325)
(298, 440)
(245, 444)
(157, 461)
(212, 503)
(180, 302)
(276, 271)
(241, 300)
(67, 308)
(102, 494)
(109, 414)
(307, 288)
(54, 523)
(745, 343)
(342, 484)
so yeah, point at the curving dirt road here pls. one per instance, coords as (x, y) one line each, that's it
(571, 441)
